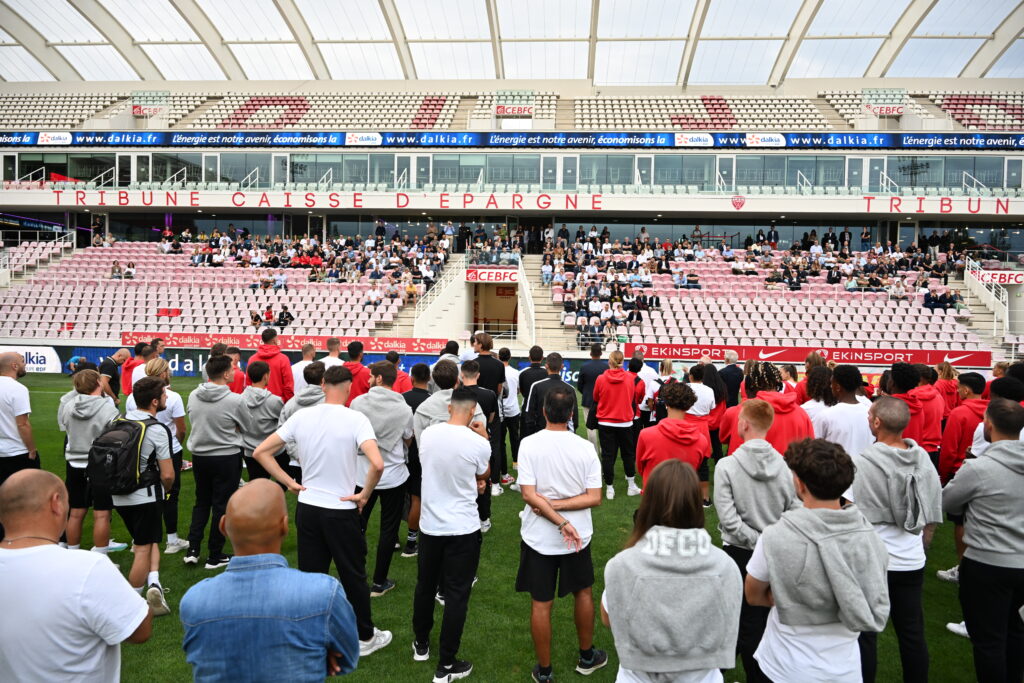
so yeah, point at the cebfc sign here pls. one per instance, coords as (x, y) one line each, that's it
(886, 109)
(1000, 277)
(513, 111)
(797, 354)
(496, 275)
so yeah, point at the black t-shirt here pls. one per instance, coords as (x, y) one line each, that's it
(488, 402)
(113, 371)
(589, 373)
(492, 372)
(413, 398)
(530, 375)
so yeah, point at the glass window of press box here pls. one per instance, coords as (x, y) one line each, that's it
(549, 171)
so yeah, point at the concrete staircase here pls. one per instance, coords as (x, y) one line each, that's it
(565, 116)
(550, 335)
(195, 114)
(935, 111)
(460, 121)
(830, 114)
(401, 326)
(982, 323)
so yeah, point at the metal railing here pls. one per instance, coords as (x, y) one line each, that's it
(990, 294)
(972, 184)
(104, 179)
(492, 257)
(250, 180)
(527, 332)
(454, 271)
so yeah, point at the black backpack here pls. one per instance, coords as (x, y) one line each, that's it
(115, 460)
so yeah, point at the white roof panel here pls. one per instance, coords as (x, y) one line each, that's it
(1011, 64)
(746, 19)
(833, 57)
(862, 18)
(98, 63)
(184, 62)
(645, 18)
(741, 62)
(159, 23)
(444, 19)
(57, 21)
(440, 61)
(638, 62)
(361, 61)
(246, 20)
(545, 59)
(960, 18)
(933, 57)
(272, 61)
(344, 19)
(17, 64)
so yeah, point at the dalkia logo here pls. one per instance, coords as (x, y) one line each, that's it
(738, 201)
(363, 139)
(34, 358)
(50, 138)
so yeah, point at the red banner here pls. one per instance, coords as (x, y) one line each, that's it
(797, 354)
(288, 342)
(1000, 277)
(492, 274)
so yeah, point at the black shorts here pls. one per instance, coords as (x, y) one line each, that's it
(412, 484)
(143, 521)
(958, 520)
(81, 494)
(703, 474)
(538, 574)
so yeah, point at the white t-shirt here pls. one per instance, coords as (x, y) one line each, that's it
(906, 550)
(75, 608)
(331, 361)
(138, 372)
(696, 676)
(154, 445)
(705, 399)
(395, 469)
(804, 653)
(650, 377)
(561, 465)
(978, 443)
(297, 378)
(175, 409)
(13, 403)
(451, 458)
(813, 408)
(845, 424)
(326, 440)
(510, 404)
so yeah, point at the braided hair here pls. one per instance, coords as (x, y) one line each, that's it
(764, 376)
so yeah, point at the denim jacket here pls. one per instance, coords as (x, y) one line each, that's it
(261, 621)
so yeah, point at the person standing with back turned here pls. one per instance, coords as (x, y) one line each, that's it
(589, 373)
(615, 399)
(327, 439)
(455, 457)
(17, 443)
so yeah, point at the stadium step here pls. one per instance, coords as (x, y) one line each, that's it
(549, 333)
(197, 113)
(833, 117)
(935, 111)
(463, 113)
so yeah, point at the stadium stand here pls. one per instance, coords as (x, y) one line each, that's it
(851, 103)
(690, 113)
(983, 110)
(52, 110)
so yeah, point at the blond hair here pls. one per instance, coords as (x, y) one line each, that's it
(156, 367)
(615, 359)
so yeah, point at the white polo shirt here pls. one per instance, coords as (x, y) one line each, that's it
(14, 402)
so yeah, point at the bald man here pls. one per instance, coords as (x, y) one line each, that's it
(260, 619)
(17, 444)
(75, 608)
(110, 374)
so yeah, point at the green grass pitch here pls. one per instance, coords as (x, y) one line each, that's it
(497, 635)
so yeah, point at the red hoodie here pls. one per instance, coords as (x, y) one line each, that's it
(678, 439)
(403, 382)
(240, 381)
(801, 393)
(916, 425)
(947, 388)
(280, 381)
(932, 407)
(126, 373)
(959, 434)
(791, 421)
(727, 428)
(360, 379)
(615, 394)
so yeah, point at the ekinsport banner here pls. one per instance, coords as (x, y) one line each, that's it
(516, 139)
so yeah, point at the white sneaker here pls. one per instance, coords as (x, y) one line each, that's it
(157, 601)
(116, 547)
(609, 492)
(485, 526)
(632, 489)
(379, 640)
(514, 487)
(176, 546)
(952, 575)
(496, 490)
(959, 628)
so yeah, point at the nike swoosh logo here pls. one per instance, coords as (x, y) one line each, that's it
(953, 360)
(764, 356)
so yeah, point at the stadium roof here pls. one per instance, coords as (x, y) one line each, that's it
(609, 42)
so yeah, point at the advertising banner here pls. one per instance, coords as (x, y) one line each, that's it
(1000, 277)
(960, 140)
(287, 342)
(37, 358)
(797, 354)
(492, 274)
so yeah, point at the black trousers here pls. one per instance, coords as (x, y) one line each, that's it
(326, 535)
(169, 505)
(716, 445)
(216, 479)
(509, 428)
(497, 450)
(905, 610)
(616, 440)
(453, 559)
(392, 504)
(257, 471)
(753, 621)
(991, 598)
(16, 463)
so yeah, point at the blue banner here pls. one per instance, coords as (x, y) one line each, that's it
(516, 139)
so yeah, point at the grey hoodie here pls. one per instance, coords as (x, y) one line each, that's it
(264, 409)
(434, 410)
(83, 417)
(444, 356)
(753, 487)
(989, 490)
(674, 600)
(897, 486)
(218, 420)
(827, 566)
(309, 395)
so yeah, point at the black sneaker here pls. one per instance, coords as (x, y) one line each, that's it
(217, 562)
(420, 651)
(707, 503)
(379, 589)
(191, 556)
(446, 674)
(411, 549)
(537, 676)
(588, 666)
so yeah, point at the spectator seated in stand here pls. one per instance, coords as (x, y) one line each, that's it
(285, 318)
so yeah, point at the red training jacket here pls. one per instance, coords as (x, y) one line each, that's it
(947, 388)
(615, 395)
(791, 421)
(932, 407)
(679, 439)
(959, 434)
(360, 380)
(403, 382)
(280, 382)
